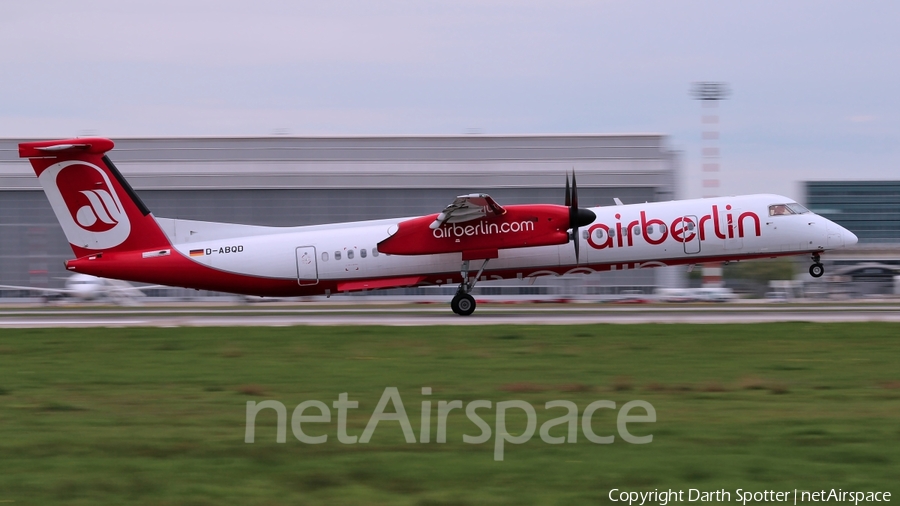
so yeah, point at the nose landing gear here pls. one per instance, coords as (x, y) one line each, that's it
(816, 269)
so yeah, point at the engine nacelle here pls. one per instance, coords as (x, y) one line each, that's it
(519, 227)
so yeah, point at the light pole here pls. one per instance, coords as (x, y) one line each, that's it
(709, 94)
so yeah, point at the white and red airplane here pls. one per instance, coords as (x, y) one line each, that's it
(87, 288)
(114, 235)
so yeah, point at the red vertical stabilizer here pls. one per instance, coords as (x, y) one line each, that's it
(97, 209)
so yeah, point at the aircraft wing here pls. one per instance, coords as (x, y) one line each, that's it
(467, 208)
(131, 288)
(36, 289)
(69, 290)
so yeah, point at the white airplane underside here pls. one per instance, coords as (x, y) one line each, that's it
(473, 239)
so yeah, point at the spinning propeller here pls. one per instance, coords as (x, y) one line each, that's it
(577, 217)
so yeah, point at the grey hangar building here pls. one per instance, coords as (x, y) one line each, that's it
(293, 181)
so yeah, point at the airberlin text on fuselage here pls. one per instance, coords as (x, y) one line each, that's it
(683, 229)
(483, 228)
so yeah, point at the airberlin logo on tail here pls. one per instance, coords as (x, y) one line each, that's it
(100, 214)
(83, 198)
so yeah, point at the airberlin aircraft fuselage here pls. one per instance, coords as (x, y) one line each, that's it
(327, 259)
(115, 236)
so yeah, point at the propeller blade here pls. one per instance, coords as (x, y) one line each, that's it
(574, 191)
(577, 243)
(573, 216)
(577, 217)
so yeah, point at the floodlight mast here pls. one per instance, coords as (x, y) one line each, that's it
(707, 90)
(709, 93)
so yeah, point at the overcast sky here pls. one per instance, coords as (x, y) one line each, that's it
(814, 83)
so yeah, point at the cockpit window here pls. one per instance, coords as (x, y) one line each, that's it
(786, 209)
(780, 210)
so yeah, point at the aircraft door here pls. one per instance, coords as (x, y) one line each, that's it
(307, 269)
(834, 239)
(691, 234)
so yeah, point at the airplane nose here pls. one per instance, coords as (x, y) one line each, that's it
(838, 236)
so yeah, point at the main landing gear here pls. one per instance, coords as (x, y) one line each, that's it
(816, 269)
(462, 303)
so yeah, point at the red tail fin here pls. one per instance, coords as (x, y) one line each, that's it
(97, 208)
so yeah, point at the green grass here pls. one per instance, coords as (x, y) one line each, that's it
(157, 416)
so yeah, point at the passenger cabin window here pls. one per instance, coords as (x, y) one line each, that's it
(337, 255)
(599, 233)
(362, 253)
(374, 252)
(349, 254)
(324, 256)
(584, 234)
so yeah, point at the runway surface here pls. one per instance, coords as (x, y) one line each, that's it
(438, 314)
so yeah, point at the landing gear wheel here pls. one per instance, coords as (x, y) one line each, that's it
(454, 304)
(463, 304)
(816, 270)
